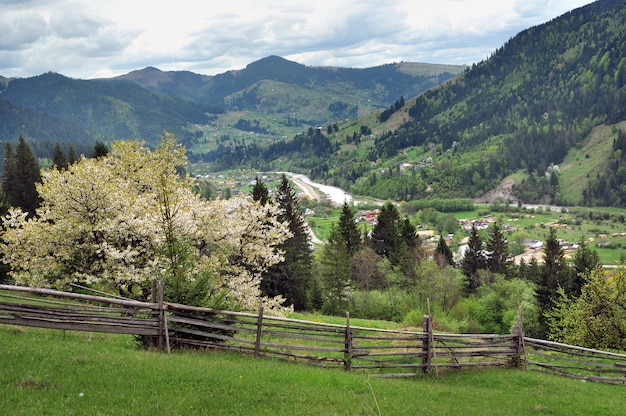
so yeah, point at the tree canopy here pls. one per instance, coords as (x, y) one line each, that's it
(122, 219)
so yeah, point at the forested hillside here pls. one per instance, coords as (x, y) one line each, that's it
(242, 90)
(517, 113)
(271, 98)
(524, 108)
(104, 111)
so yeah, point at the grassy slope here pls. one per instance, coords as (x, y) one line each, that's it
(580, 165)
(59, 373)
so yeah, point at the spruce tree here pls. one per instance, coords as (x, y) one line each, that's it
(9, 178)
(585, 261)
(71, 155)
(497, 251)
(292, 277)
(260, 192)
(335, 273)
(473, 260)
(443, 254)
(21, 173)
(348, 228)
(99, 150)
(58, 158)
(384, 236)
(554, 274)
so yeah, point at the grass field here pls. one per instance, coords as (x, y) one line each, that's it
(48, 372)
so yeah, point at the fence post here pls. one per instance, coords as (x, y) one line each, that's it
(426, 344)
(347, 355)
(154, 341)
(259, 330)
(161, 315)
(518, 332)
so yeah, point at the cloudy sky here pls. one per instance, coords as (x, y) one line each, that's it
(88, 39)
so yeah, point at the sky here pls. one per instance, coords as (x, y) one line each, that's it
(87, 39)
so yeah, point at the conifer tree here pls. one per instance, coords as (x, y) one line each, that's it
(292, 277)
(9, 181)
(385, 233)
(554, 274)
(71, 155)
(58, 158)
(497, 251)
(335, 273)
(348, 228)
(21, 173)
(585, 261)
(443, 254)
(99, 150)
(260, 192)
(473, 260)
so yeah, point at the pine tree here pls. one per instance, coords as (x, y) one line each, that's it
(71, 155)
(99, 150)
(384, 237)
(443, 254)
(473, 260)
(554, 274)
(260, 192)
(348, 228)
(58, 158)
(292, 277)
(9, 178)
(21, 173)
(335, 273)
(497, 251)
(585, 261)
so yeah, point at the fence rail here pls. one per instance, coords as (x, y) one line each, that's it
(575, 362)
(380, 352)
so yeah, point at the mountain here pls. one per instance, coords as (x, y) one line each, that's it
(144, 103)
(536, 103)
(380, 84)
(103, 111)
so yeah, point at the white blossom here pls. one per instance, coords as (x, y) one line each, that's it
(106, 220)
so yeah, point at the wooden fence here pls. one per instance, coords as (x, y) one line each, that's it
(575, 362)
(383, 353)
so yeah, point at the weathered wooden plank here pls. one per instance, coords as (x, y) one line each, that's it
(388, 338)
(296, 357)
(395, 375)
(481, 353)
(560, 372)
(301, 347)
(388, 359)
(303, 336)
(68, 295)
(388, 366)
(206, 324)
(311, 327)
(212, 335)
(472, 364)
(80, 326)
(53, 315)
(566, 358)
(72, 306)
(540, 342)
(214, 312)
(476, 345)
(408, 355)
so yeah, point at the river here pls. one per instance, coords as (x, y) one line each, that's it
(334, 194)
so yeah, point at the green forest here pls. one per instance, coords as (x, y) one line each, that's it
(518, 113)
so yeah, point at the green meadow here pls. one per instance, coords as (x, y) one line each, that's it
(51, 372)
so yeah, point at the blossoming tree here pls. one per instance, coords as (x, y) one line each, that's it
(120, 220)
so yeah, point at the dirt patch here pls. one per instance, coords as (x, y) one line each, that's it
(503, 193)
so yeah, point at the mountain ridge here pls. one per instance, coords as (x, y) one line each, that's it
(134, 105)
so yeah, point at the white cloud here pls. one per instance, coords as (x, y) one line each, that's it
(86, 39)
